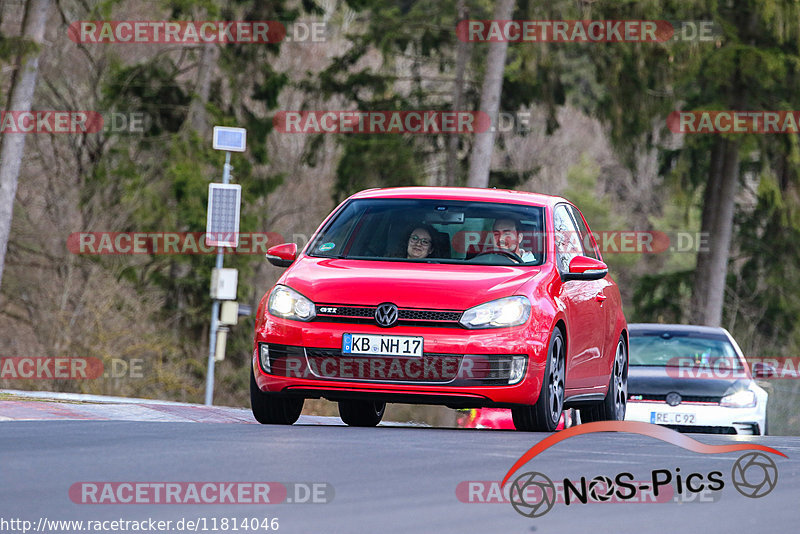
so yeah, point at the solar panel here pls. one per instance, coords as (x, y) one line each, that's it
(222, 223)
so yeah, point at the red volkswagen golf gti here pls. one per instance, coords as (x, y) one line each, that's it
(453, 296)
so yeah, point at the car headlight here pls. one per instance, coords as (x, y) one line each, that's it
(741, 399)
(287, 303)
(509, 311)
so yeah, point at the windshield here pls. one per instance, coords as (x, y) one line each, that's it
(689, 350)
(434, 231)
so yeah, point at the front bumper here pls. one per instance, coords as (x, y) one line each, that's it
(711, 418)
(441, 376)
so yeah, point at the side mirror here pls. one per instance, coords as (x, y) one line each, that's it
(763, 370)
(282, 255)
(585, 268)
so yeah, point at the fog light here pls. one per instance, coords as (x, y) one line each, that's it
(263, 356)
(517, 369)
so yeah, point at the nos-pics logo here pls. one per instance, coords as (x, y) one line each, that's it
(533, 494)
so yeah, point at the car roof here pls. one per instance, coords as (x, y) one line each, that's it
(657, 327)
(475, 194)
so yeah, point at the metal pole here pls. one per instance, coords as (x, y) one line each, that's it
(212, 336)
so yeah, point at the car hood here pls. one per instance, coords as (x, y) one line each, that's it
(415, 285)
(656, 380)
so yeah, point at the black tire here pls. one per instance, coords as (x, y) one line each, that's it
(545, 414)
(612, 407)
(361, 413)
(273, 409)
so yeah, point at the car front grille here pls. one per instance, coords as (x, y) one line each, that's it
(431, 368)
(405, 316)
(703, 429)
(684, 399)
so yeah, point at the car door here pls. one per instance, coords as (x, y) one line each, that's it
(584, 305)
(608, 338)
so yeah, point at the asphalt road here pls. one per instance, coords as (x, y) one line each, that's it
(385, 479)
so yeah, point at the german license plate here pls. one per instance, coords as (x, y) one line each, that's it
(669, 418)
(381, 345)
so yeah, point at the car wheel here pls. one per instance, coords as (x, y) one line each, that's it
(545, 414)
(361, 413)
(272, 409)
(612, 408)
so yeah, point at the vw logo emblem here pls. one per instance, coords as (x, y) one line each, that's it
(386, 314)
(673, 399)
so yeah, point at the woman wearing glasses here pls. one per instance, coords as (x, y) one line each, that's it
(420, 242)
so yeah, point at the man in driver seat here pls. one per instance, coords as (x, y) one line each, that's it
(508, 237)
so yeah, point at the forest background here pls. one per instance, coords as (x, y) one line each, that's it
(584, 120)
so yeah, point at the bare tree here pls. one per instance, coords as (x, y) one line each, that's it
(718, 211)
(12, 146)
(481, 160)
(197, 109)
(462, 56)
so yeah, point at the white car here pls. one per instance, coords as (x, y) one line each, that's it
(692, 379)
